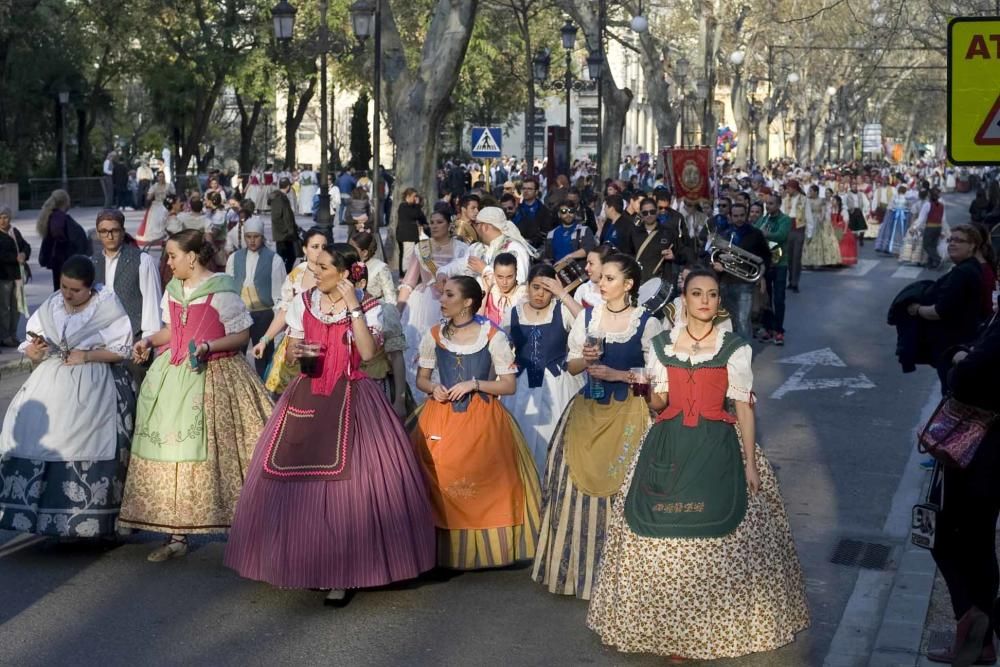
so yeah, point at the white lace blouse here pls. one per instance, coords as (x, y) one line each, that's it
(738, 366)
(578, 334)
(116, 338)
(232, 311)
(380, 284)
(295, 314)
(499, 346)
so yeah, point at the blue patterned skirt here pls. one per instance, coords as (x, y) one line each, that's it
(70, 498)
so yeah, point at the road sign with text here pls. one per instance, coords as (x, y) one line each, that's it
(974, 90)
(486, 141)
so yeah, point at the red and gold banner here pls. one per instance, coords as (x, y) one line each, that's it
(689, 170)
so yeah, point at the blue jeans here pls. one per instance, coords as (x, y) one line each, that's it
(777, 281)
(737, 298)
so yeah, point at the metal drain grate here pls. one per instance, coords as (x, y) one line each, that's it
(867, 555)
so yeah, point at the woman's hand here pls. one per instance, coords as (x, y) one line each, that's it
(476, 264)
(554, 286)
(201, 351)
(76, 358)
(753, 477)
(258, 349)
(959, 356)
(37, 351)
(346, 290)
(602, 372)
(140, 351)
(440, 393)
(913, 309)
(591, 354)
(461, 389)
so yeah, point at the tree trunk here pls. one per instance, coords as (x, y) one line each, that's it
(248, 126)
(665, 114)
(741, 116)
(417, 98)
(295, 111)
(911, 121)
(205, 104)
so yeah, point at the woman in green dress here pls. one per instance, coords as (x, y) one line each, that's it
(699, 560)
(201, 406)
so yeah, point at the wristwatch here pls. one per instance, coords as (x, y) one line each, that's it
(356, 313)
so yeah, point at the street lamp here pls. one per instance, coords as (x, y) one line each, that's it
(680, 73)
(595, 66)
(793, 77)
(737, 57)
(283, 17)
(366, 17)
(63, 101)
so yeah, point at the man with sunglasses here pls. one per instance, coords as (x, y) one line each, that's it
(132, 275)
(533, 219)
(571, 239)
(583, 212)
(652, 244)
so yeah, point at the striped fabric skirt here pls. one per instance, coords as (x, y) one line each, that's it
(479, 548)
(574, 524)
(368, 530)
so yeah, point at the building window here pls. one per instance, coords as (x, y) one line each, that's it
(588, 125)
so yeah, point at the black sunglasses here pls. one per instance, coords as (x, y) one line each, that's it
(647, 213)
(565, 210)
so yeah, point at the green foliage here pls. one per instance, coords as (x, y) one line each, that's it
(7, 172)
(361, 148)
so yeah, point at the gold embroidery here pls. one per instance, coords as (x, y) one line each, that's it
(679, 508)
(462, 488)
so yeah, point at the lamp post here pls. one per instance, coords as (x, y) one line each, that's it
(701, 94)
(569, 83)
(283, 17)
(754, 112)
(680, 73)
(366, 18)
(63, 101)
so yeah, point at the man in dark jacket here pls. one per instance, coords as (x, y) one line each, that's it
(737, 294)
(652, 244)
(119, 181)
(283, 226)
(533, 218)
(14, 255)
(410, 221)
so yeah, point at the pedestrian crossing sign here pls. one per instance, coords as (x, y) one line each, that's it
(486, 141)
(974, 90)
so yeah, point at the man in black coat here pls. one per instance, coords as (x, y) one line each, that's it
(409, 222)
(737, 294)
(533, 218)
(14, 255)
(652, 244)
(283, 226)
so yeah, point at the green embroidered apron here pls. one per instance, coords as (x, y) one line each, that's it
(689, 480)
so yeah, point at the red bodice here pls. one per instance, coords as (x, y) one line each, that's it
(341, 357)
(200, 322)
(697, 392)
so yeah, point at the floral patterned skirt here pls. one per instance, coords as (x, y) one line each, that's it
(703, 598)
(71, 498)
(200, 496)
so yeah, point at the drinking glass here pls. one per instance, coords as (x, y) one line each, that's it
(596, 386)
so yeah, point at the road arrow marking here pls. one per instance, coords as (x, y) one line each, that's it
(807, 361)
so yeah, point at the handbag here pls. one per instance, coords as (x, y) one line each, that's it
(954, 431)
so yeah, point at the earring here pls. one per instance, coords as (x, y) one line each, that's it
(191, 265)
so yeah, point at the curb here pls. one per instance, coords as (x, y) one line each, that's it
(897, 643)
(11, 366)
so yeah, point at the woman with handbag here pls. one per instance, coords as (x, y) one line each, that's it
(964, 548)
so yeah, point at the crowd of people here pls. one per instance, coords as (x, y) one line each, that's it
(544, 374)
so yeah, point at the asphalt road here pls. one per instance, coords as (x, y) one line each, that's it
(841, 451)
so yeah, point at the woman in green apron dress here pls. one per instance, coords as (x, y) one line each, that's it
(699, 560)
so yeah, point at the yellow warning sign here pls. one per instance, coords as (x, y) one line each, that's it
(974, 90)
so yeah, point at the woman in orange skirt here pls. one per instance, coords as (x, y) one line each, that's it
(848, 243)
(482, 479)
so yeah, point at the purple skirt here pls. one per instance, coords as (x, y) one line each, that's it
(369, 530)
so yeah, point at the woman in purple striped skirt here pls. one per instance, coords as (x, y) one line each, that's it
(334, 498)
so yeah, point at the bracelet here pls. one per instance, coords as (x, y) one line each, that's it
(406, 286)
(476, 380)
(86, 356)
(208, 346)
(357, 313)
(265, 339)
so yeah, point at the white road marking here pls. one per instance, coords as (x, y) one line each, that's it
(908, 272)
(807, 361)
(20, 542)
(861, 268)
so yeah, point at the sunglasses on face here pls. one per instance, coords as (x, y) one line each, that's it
(647, 213)
(564, 211)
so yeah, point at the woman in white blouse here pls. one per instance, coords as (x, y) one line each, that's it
(65, 439)
(699, 561)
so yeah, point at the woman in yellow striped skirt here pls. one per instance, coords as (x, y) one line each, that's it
(598, 435)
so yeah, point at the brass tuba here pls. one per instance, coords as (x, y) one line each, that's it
(776, 252)
(735, 260)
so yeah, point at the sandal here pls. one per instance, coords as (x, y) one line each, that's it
(175, 547)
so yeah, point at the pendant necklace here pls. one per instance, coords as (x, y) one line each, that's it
(695, 346)
(616, 312)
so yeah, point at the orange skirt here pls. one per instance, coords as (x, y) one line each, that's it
(470, 463)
